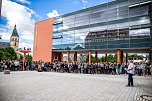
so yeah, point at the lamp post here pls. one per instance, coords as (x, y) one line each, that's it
(24, 51)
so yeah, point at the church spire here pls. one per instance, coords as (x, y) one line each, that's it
(14, 33)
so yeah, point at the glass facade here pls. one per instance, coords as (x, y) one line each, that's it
(113, 25)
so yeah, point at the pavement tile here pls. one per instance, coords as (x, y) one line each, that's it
(50, 86)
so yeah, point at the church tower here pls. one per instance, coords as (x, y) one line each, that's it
(14, 40)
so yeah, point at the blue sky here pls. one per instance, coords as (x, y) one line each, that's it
(24, 13)
(62, 6)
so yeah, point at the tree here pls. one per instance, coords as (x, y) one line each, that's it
(21, 57)
(68, 48)
(1, 55)
(135, 57)
(111, 58)
(115, 57)
(93, 59)
(11, 51)
(103, 59)
(8, 53)
(82, 57)
(28, 57)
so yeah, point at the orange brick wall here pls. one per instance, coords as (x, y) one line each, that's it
(42, 47)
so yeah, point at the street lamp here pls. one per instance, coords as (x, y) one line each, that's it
(24, 50)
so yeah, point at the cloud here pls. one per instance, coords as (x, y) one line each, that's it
(24, 44)
(5, 32)
(84, 2)
(140, 32)
(24, 1)
(27, 35)
(60, 28)
(5, 35)
(20, 15)
(52, 14)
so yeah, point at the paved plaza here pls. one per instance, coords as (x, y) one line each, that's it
(50, 86)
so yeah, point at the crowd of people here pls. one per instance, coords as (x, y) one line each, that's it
(141, 68)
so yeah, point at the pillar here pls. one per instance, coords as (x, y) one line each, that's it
(75, 56)
(90, 56)
(106, 57)
(24, 59)
(68, 57)
(150, 57)
(118, 55)
(121, 56)
(61, 57)
(126, 58)
(96, 56)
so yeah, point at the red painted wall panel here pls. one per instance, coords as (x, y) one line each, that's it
(42, 47)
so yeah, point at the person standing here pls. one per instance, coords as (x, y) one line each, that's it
(130, 70)
(117, 69)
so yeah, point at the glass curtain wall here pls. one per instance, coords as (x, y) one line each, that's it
(112, 25)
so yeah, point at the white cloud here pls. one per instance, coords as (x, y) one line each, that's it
(140, 32)
(84, 2)
(24, 1)
(27, 35)
(5, 32)
(21, 16)
(5, 35)
(24, 44)
(60, 28)
(52, 14)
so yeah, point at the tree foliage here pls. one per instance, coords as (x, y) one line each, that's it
(21, 57)
(94, 60)
(111, 58)
(102, 59)
(8, 53)
(135, 57)
(82, 57)
(28, 57)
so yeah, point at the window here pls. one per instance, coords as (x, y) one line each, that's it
(55, 58)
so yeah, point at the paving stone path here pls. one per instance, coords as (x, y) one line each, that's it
(50, 86)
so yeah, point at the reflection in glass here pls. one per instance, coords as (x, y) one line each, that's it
(116, 24)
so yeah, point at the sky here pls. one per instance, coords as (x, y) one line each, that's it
(24, 13)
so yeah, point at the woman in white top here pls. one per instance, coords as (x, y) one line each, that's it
(131, 68)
